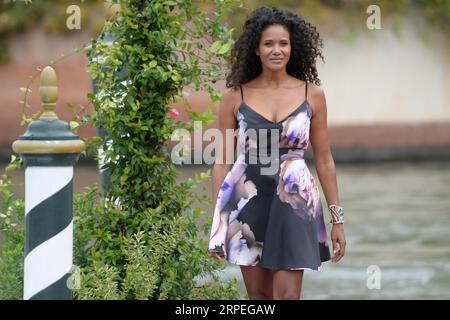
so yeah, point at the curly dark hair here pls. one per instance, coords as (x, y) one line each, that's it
(305, 41)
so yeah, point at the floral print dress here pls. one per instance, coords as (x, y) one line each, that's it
(274, 218)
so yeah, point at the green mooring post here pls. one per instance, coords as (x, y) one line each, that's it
(49, 150)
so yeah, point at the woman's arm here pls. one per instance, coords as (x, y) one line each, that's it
(220, 169)
(324, 162)
(226, 120)
(323, 158)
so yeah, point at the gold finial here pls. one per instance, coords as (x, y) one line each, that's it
(49, 93)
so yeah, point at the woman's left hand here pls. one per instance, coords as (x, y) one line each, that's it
(338, 240)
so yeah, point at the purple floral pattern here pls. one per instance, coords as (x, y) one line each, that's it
(231, 236)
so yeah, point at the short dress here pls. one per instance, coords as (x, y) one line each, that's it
(268, 211)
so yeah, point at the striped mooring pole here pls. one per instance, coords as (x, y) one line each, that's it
(49, 150)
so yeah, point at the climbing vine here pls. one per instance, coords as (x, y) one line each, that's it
(157, 54)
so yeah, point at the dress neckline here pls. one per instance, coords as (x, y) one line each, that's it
(305, 102)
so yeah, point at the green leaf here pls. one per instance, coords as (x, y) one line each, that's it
(153, 64)
(74, 125)
(216, 46)
(170, 3)
(225, 48)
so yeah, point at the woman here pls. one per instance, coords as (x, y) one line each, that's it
(272, 224)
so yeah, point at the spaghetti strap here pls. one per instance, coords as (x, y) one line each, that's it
(306, 90)
(242, 93)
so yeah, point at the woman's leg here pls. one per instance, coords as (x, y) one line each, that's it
(287, 284)
(258, 282)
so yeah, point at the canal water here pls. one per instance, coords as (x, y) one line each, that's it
(397, 229)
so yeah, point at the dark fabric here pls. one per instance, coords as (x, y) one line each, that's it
(272, 219)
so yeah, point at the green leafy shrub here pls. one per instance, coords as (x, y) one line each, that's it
(12, 212)
(162, 263)
(148, 232)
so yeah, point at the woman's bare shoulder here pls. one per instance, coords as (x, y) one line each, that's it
(231, 92)
(316, 97)
(231, 100)
(314, 88)
(315, 92)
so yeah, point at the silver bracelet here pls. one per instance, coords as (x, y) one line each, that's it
(337, 214)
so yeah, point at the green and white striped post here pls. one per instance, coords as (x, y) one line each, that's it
(49, 150)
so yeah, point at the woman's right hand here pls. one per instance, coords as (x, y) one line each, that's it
(215, 255)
